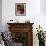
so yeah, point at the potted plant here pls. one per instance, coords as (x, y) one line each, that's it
(41, 36)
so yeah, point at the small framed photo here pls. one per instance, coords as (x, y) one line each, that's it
(20, 9)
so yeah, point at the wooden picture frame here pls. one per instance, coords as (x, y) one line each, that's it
(20, 9)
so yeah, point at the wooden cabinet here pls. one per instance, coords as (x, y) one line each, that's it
(22, 32)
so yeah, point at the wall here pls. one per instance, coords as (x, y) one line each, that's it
(0, 15)
(43, 14)
(33, 13)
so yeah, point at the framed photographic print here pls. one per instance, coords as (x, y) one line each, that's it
(20, 9)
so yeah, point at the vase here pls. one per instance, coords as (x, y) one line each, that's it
(41, 43)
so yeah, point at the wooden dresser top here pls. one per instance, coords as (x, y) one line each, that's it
(19, 23)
